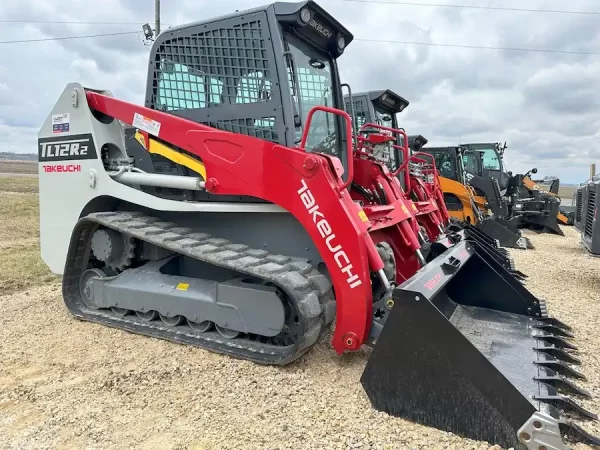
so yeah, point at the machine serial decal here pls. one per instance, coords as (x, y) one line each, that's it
(319, 219)
(60, 123)
(74, 147)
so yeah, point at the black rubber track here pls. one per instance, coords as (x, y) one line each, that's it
(308, 290)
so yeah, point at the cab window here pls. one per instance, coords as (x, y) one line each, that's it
(490, 159)
(445, 165)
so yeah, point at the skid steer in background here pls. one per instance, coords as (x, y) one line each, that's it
(566, 214)
(205, 224)
(467, 203)
(374, 116)
(534, 209)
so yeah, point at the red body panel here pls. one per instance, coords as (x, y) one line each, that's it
(429, 208)
(310, 187)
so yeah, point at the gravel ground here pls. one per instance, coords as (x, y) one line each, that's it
(71, 384)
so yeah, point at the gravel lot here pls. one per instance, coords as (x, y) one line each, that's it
(71, 384)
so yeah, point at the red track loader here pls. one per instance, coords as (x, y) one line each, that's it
(198, 218)
(417, 175)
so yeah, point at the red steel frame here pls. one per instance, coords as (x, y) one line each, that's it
(430, 208)
(310, 187)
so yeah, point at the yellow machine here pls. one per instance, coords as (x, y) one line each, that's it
(488, 212)
(461, 200)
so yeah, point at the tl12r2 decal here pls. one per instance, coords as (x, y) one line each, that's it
(67, 148)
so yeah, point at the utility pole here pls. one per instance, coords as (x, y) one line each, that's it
(156, 17)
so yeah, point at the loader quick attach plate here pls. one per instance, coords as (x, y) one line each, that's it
(466, 350)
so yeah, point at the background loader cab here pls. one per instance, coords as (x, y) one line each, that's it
(492, 164)
(379, 107)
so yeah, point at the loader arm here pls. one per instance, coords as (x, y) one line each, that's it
(302, 183)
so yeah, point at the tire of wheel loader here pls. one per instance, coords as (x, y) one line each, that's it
(467, 349)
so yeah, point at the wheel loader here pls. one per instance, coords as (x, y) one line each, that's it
(221, 214)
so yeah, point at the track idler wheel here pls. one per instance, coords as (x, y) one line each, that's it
(201, 327)
(119, 311)
(172, 321)
(226, 332)
(85, 286)
(147, 316)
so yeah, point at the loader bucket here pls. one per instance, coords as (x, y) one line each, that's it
(466, 348)
(507, 237)
(488, 247)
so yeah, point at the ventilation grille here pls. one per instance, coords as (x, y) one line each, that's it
(579, 205)
(361, 111)
(591, 205)
(221, 77)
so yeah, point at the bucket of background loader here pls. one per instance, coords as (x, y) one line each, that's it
(508, 237)
(464, 347)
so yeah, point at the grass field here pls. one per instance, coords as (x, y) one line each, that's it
(566, 192)
(20, 264)
(24, 167)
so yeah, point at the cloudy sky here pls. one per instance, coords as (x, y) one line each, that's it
(545, 105)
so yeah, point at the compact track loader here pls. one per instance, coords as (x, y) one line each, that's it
(198, 219)
(541, 208)
(530, 208)
(492, 215)
(374, 119)
(456, 198)
(566, 214)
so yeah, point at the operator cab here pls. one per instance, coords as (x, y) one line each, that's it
(379, 107)
(491, 165)
(256, 72)
(447, 162)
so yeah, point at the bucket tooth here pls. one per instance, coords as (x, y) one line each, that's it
(519, 274)
(577, 434)
(557, 323)
(562, 384)
(553, 329)
(543, 308)
(560, 367)
(567, 406)
(558, 342)
(558, 354)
